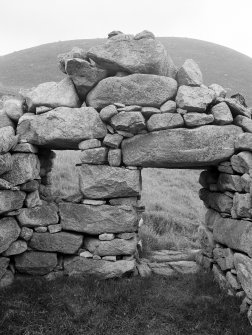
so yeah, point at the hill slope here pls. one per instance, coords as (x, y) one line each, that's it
(227, 67)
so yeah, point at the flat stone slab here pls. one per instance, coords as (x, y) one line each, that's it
(61, 128)
(82, 266)
(96, 220)
(161, 256)
(36, 262)
(177, 148)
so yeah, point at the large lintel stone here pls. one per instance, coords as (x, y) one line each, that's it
(180, 148)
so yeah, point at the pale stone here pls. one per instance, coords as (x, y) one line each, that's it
(222, 114)
(35, 262)
(9, 232)
(115, 157)
(42, 109)
(144, 34)
(97, 220)
(38, 216)
(119, 105)
(244, 122)
(132, 108)
(100, 268)
(136, 89)
(242, 162)
(14, 108)
(148, 111)
(108, 112)
(244, 142)
(230, 182)
(161, 256)
(25, 147)
(113, 141)
(86, 254)
(106, 237)
(102, 182)
(26, 233)
(5, 121)
(164, 121)
(94, 202)
(52, 94)
(8, 140)
(40, 229)
(194, 99)
(132, 122)
(219, 91)
(198, 147)
(5, 163)
(242, 205)
(16, 247)
(89, 144)
(109, 258)
(62, 128)
(217, 201)
(25, 167)
(189, 74)
(243, 265)
(94, 156)
(32, 199)
(54, 228)
(63, 242)
(197, 119)
(96, 257)
(168, 107)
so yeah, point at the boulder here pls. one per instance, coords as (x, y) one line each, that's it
(11, 200)
(194, 99)
(96, 220)
(5, 163)
(243, 266)
(241, 205)
(38, 216)
(114, 247)
(244, 122)
(217, 201)
(244, 142)
(54, 94)
(17, 247)
(62, 128)
(136, 89)
(8, 140)
(25, 167)
(165, 121)
(84, 75)
(235, 234)
(14, 108)
(35, 262)
(242, 162)
(132, 122)
(102, 182)
(5, 120)
(4, 262)
(189, 74)
(9, 232)
(82, 266)
(197, 119)
(94, 156)
(203, 146)
(222, 114)
(63, 242)
(133, 55)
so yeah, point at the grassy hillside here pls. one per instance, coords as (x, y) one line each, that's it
(219, 64)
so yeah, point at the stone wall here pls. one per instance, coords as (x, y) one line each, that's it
(125, 106)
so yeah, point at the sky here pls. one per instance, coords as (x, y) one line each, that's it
(27, 23)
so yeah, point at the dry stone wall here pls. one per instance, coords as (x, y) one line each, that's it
(125, 106)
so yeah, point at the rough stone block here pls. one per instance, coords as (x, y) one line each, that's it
(217, 201)
(35, 262)
(11, 200)
(94, 156)
(194, 99)
(165, 121)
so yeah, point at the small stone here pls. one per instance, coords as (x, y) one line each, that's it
(26, 233)
(106, 237)
(164, 121)
(113, 141)
(36, 262)
(217, 201)
(132, 108)
(40, 229)
(126, 236)
(119, 105)
(189, 74)
(42, 109)
(25, 147)
(143, 269)
(30, 186)
(110, 129)
(94, 202)
(86, 254)
(132, 167)
(181, 111)
(89, 144)
(222, 114)
(148, 111)
(197, 119)
(96, 257)
(108, 112)
(244, 122)
(17, 247)
(242, 162)
(11, 200)
(125, 133)
(109, 258)
(244, 142)
(219, 91)
(55, 228)
(94, 156)
(115, 157)
(132, 122)
(32, 199)
(168, 107)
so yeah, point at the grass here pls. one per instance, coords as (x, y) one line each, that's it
(192, 304)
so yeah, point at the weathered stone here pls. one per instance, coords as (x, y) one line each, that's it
(62, 127)
(96, 220)
(219, 91)
(30, 186)
(106, 237)
(110, 248)
(244, 122)
(148, 111)
(5, 185)
(94, 202)
(244, 142)
(161, 256)
(197, 119)
(108, 112)
(168, 107)
(25, 167)
(136, 89)
(132, 122)
(222, 114)
(40, 229)
(246, 182)
(162, 269)
(194, 99)
(225, 167)
(7, 139)
(63, 242)
(96, 257)
(132, 108)
(54, 228)
(84, 75)
(35, 262)
(224, 257)
(102, 182)
(164, 121)
(42, 109)
(115, 157)
(236, 234)
(237, 108)
(109, 258)
(232, 279)
(38, 216)
(5, 121)
(9, 232)
(74, 53)
(94, 156)
(189, 74)
(16, 247)
(11, 200)
(230, 182)
(25, 147)
(241, 205)
(86, 254)
(99, 268)
(7, 279)
(129, 201)
(4, 262)
(26, 233)
(243, 265)
(5, 163)
(113, 141)
(125, 133)
(14, 108)
(89, 144)
(242, 162)
(54, 94)
(144, 55)
(203, 146)
(185, 267)
(217, 201)
(33, 199)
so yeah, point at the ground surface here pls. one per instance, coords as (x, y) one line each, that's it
(154, 306)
